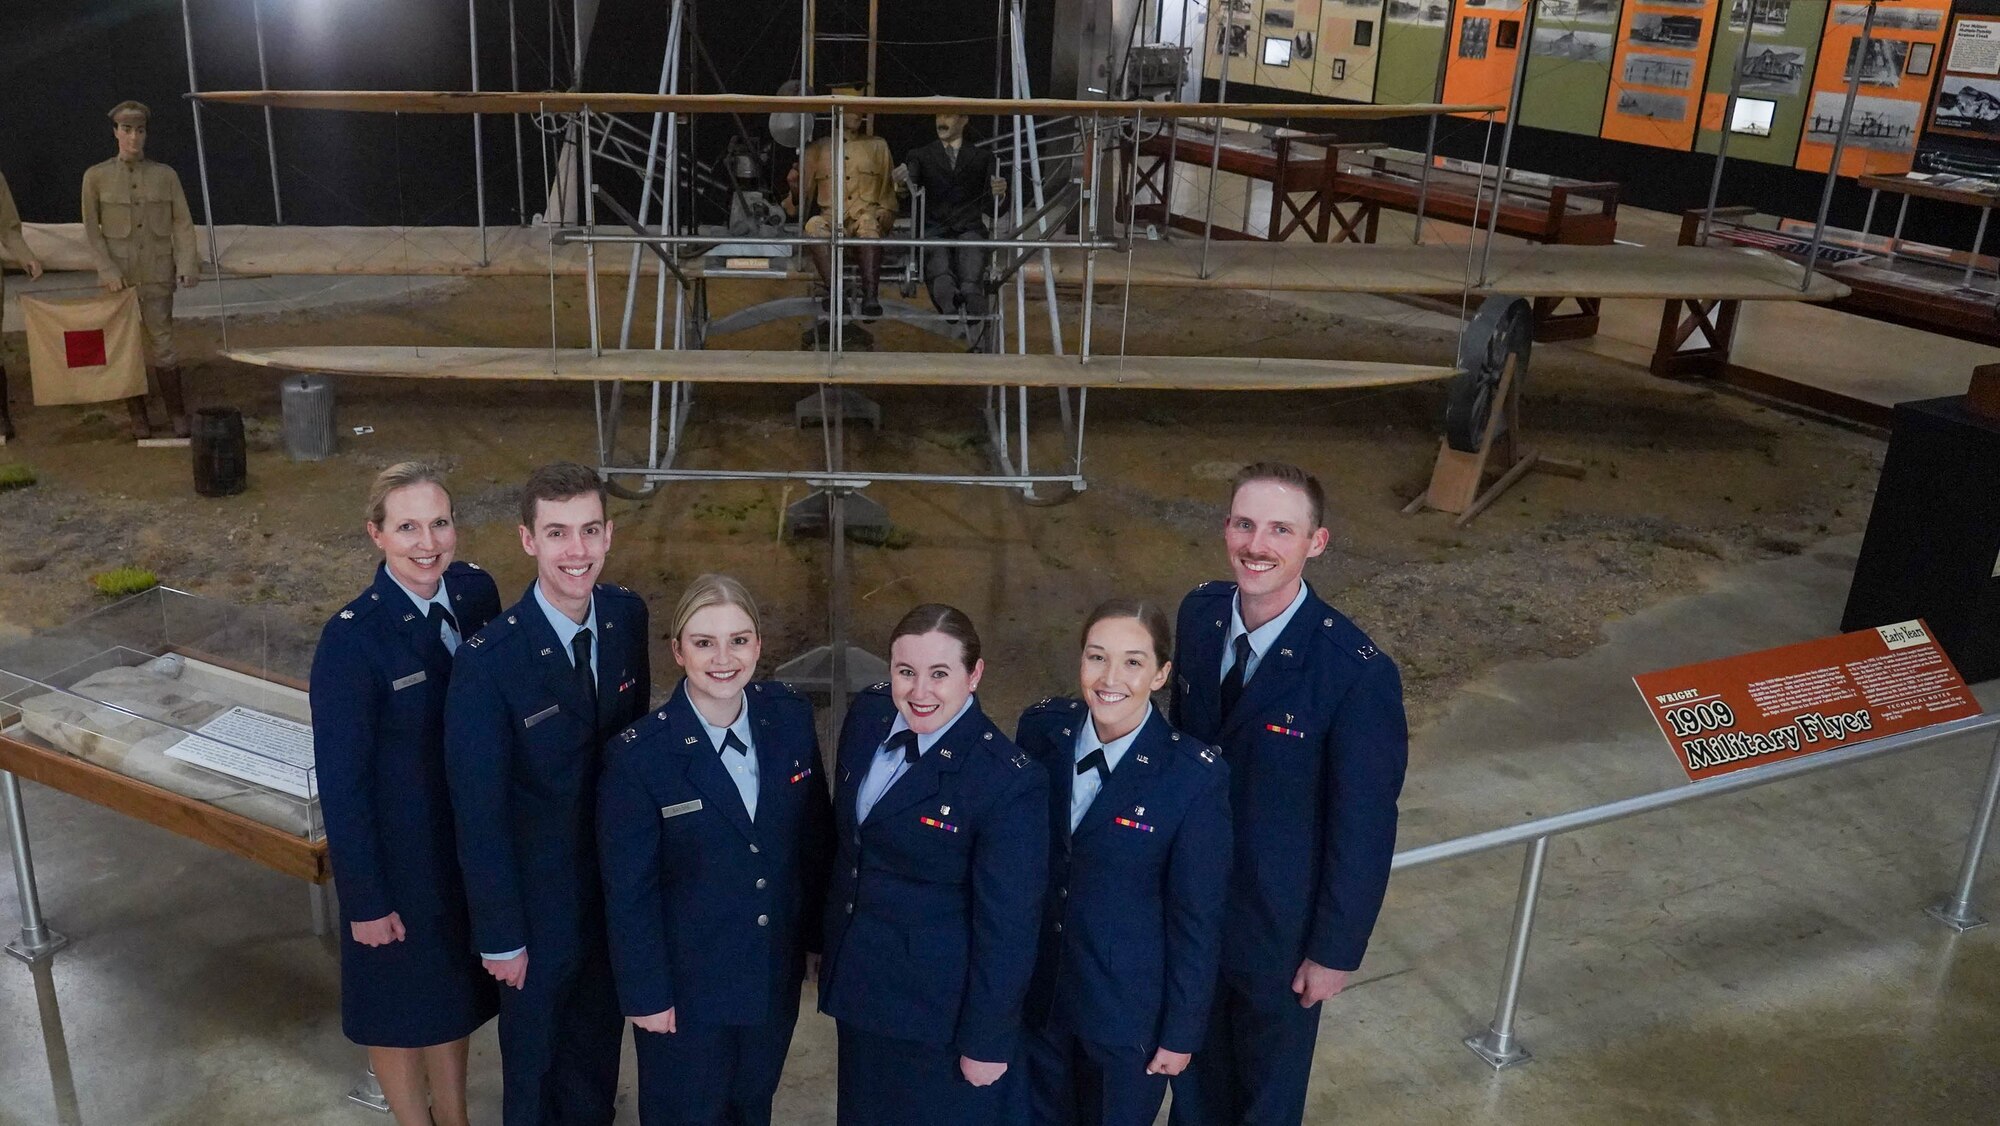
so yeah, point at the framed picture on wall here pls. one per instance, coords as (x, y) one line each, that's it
(1340, 70)
(1920, 59)
(1509, 35)
(1364, 33)
(1277, 52)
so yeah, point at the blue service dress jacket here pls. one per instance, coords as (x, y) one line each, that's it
(932, 914)
(1316, 749)
(710, 913)
(379, 679)
(523, 751)
(1132, 926)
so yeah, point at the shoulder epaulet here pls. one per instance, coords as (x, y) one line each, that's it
(1348, 638)
(461, 567)
(880, 688)
(776, 690)
(1053, 705)
(616, 590)
(1214, 587)
(501, 626)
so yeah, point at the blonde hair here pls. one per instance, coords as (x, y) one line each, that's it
(402, 475)
(714, 590)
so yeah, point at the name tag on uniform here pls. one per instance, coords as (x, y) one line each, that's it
(685, 807)
(541, 715)
(417, 677)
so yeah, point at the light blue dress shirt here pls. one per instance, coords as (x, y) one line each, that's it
(445, 630)
(742, 765)
(889, 765)
(1261, 638)
(567, 630)
(1083, 789)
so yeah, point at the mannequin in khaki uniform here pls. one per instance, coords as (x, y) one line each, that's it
(13, 248)
(141, 233)
(871, 203)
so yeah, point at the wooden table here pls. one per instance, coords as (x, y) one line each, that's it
(1287, 162)
(1908, 187)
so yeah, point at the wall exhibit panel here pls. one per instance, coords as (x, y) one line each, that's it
(1413, 36)
(1286, 45)
(1235, 36)
(1349, 49)
(1888, 113)
(1569, 65)
(1659, 64)
(1962, 128)
(1777, 73)
(1485, 44)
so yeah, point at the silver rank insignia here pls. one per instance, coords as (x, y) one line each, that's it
(1065, 731)
(1176, 736)
(1208, 756)
(628, 735)
(475, 566)
(475, 642)
(1366, 652)
(347, 613)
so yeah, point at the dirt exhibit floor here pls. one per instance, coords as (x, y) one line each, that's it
(1680, 482)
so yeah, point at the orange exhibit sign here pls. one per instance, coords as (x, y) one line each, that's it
(1759, 708)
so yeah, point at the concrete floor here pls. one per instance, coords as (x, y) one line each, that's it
(1761, 958)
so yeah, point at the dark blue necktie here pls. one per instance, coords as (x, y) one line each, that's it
(1095, 760)
(579, 649)
(1232, 685)
(731, 743)
(907, 740)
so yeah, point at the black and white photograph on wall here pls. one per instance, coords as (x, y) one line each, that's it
(1666, 31)
(1578, 11)
(1921, 55)
(1752, 117)
(1278, 19)
(1658, 107)
(1428, 13)
(1774, 70)
(1772, 15)
(1364, 33)
(1473, 35)
(1971, 105)
(1305, 45)
(1881, 124)
(1508, 36)
(1339, 71)
(1889, 16)
(1579, 46)
(1884, 64)
(1672, 72)
(1233, 40)
(1678, 3)
(1277, 51)
(1358, 3)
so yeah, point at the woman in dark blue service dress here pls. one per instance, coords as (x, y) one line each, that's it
(714, 836)
(411, 989)
(937, 888)
(1139, 867)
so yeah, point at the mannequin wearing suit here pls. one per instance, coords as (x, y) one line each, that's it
(715, 836)
(1309, 716)
(534, 696)
(1139, 868)
(959, 189)
(936, 894)
(410, 987)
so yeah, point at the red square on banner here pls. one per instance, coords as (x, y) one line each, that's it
(84, 349)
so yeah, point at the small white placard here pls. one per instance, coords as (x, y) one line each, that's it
(262, 748)
(1975, 47)
(1902, 635)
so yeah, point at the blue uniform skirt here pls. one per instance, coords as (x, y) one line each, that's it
(427, 989)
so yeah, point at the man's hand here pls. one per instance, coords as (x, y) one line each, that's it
(1315, 983)
(900, 176)
(508, 971)
(792, 177)
(658, 1022)
(379, 932)
(979, 1073)
(999, 187)
(1168, 1063)
(34, 268)
(189, 281)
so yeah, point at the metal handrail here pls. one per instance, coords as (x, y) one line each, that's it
(1498, 1045)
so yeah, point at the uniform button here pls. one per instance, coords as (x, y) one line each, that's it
(760, 883)
(1058, 928)
(850, 908)
(763, 920)
(1063, 892)
(857, 873)
(754, 848)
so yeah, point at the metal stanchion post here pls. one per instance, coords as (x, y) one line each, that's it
(368, 1092)
(1840, 145)
(1497, 1045)
(37, 942)
(1957, 912)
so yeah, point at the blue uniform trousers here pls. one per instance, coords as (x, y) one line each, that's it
(1077, 1082)
(885, 1081)
(713, 1074)
(559, 1042)
(1252, 1070)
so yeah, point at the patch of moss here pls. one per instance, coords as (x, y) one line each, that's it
(15, 476)
(121, 581)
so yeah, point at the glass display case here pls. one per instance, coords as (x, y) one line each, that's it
(192, 712)
(1534, 206)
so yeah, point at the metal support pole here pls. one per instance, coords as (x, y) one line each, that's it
(270, 130)
(1215, 150)
(1957, 912)
(1497, 1045)
(1728, 114)
(836, 599)
(1978, 239)
(1839, 144)
(323, 914)
(514, 81)
(669, 80)
(200, 146)
(1507, 137)
(1034, 142)
(1430, 138)
(478, 129)
(37, 942)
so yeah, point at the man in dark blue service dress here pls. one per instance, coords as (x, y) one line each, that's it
(1309, 715)
(533, 698)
